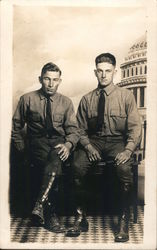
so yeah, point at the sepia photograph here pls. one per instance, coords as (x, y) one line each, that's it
(78, 134)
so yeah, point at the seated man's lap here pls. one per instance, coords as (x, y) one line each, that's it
(108, 151)
(45, 155)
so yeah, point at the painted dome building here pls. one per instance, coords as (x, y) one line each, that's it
(134, 77)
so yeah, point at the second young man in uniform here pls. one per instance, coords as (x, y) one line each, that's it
(110, 129)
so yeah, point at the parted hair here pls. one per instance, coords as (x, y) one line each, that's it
(50, 67)
(105, 57)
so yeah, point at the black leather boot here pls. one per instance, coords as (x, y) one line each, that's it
(123, 226)
(123, 232)
(80, 225)
(38, 211)
(38, 214)
(53, 224)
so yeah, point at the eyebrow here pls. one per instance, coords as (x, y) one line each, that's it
(105, 69)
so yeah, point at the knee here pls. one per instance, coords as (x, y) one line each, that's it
(124, 173)
(78, 169)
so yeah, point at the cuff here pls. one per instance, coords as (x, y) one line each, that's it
(84, 141)
(69, 145)
(130, 146)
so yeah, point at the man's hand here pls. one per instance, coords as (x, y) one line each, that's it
(93, 154)
(19, 146)
(123, 157)
(64, 151)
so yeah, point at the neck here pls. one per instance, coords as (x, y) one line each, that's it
(102, 86)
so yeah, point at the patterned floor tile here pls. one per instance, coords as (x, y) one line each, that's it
(100, 230)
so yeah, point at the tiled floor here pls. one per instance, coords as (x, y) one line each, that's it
(100, 231)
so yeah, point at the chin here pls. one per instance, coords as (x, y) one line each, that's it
(50, 92)
(104, 84)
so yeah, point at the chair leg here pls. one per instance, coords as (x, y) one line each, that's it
(135, 191)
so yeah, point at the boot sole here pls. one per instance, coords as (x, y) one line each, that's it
(121, 240)
(77, 233)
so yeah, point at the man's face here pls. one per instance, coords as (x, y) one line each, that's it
(105, 72)
(50, 82)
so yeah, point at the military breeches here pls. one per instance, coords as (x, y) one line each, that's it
(44, 154)
(108, 148)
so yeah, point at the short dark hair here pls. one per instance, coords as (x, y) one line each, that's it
(50, 67)
(105, 57)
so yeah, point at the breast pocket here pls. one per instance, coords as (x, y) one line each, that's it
(118, 119)
(92, 114)
(58, 118)
(34, 117)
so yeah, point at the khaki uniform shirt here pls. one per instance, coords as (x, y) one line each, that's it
(31, 110)
(121, 116)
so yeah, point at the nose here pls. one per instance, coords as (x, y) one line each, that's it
(51, 83)
(103, 74)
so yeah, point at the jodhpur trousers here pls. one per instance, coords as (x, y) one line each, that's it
(108, 148)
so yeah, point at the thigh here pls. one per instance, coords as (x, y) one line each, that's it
(53, 162)
(44, 153)
(80, 162)
(123, 171)
(39, 150)
(113, 148)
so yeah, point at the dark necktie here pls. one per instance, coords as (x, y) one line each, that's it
(101, 110)
(48, 116)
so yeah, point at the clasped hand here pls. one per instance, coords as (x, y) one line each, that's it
(92, 153)
(123, 157)
(64, 151)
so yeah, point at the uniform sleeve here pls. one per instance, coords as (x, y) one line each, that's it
(83, 122)
(134, 128)
(18, 121)
(71, 126)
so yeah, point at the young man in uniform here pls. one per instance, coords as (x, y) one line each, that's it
(52, 133)
(110, 129)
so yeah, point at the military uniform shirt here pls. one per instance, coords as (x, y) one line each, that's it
(121, 116)
(31, 110)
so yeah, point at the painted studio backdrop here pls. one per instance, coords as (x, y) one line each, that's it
(72, 37)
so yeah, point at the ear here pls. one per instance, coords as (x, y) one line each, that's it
(115, 72)
(60, 80)
(95, 72)
(40, 79)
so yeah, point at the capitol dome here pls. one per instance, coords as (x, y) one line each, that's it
(134, 72)
(138, 49)
(134, 76)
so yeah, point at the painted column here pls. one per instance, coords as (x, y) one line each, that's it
(145, 97)
(138, 97)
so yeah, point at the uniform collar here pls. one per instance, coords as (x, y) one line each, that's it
(108, 90)
(43, 96)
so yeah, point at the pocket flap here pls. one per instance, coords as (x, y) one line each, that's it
(58, 118)
(117, 112)
(35, 116)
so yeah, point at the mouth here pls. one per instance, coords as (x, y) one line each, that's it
(103, 80)
(50, 90)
